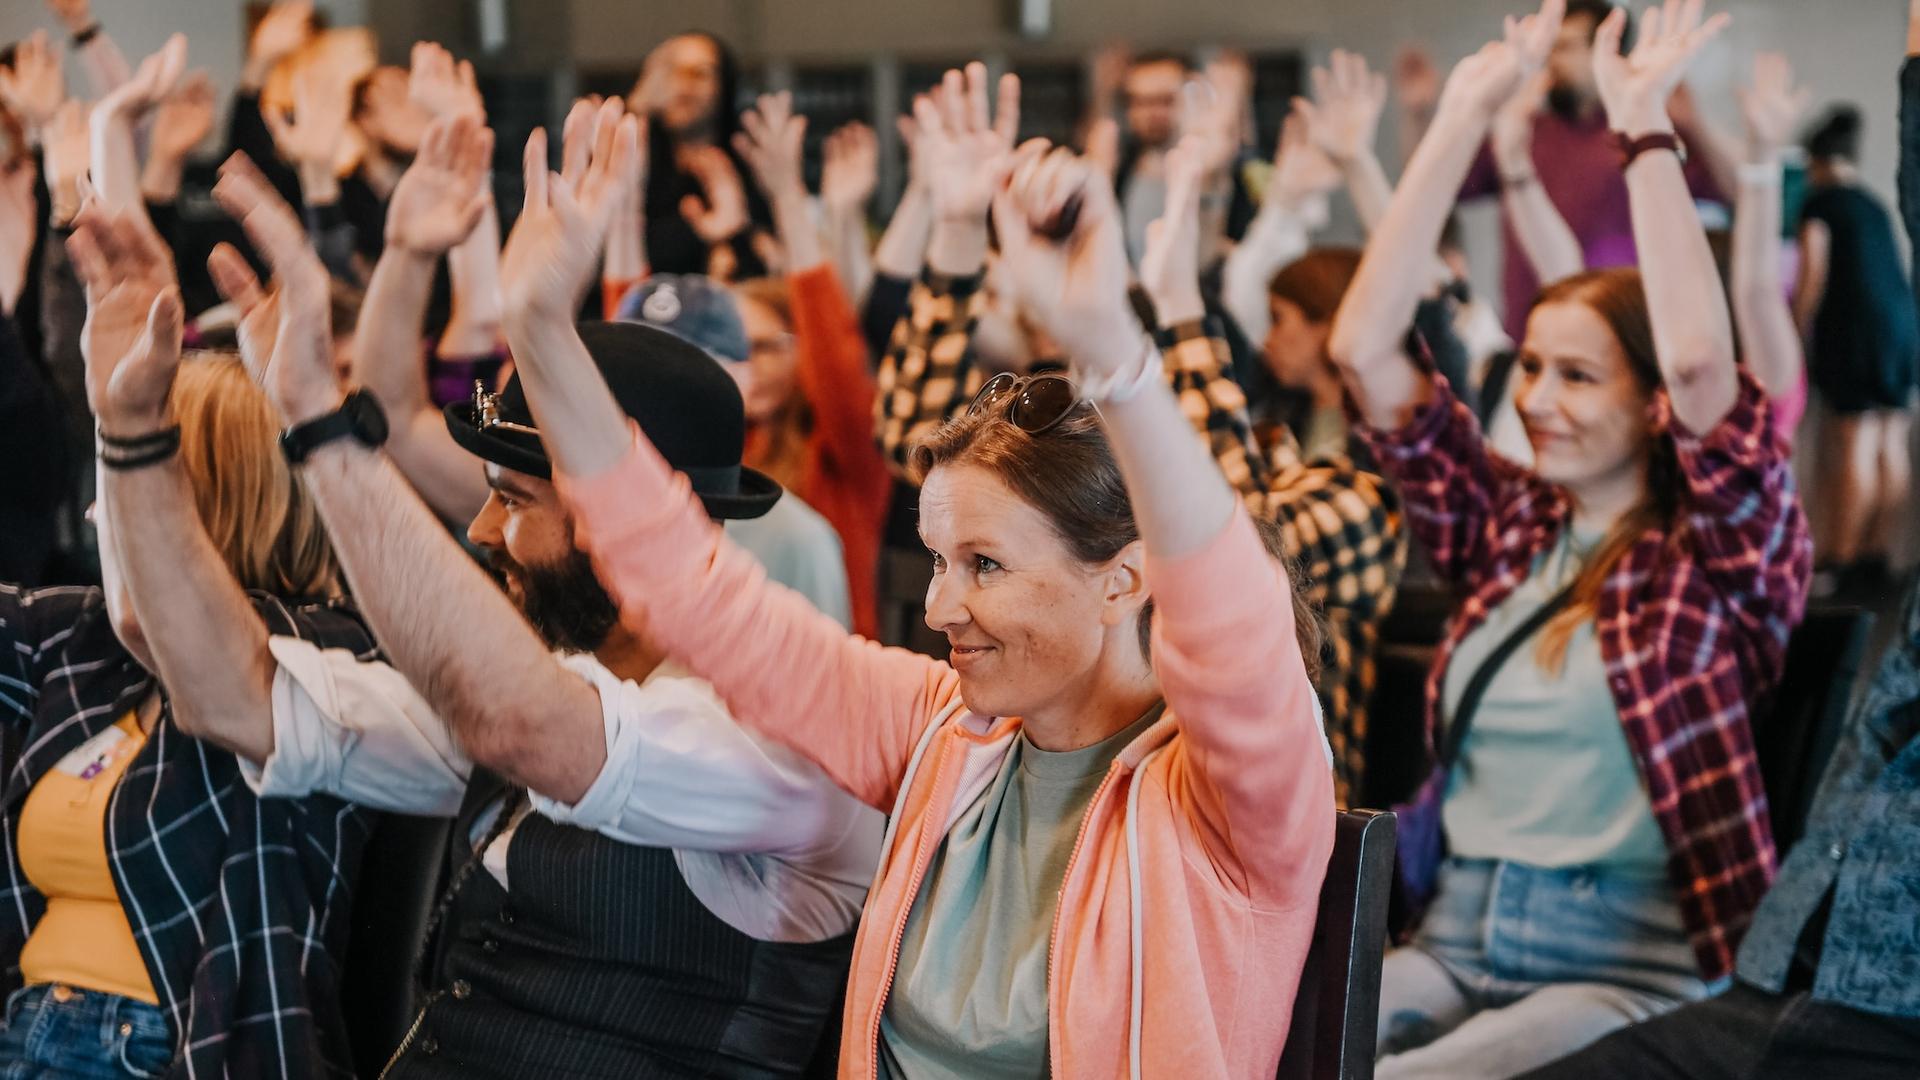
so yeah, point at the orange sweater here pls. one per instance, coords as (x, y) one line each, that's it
(845, 478)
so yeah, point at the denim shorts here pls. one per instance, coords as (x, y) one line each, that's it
(59, 1033)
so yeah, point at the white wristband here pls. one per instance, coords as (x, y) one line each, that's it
(1121, 384)
(1760, 174)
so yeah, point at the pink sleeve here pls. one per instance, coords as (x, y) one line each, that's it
(1259, 779)
(854, 707)
(1789, 409)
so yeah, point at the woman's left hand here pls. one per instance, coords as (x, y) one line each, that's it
(1635, 88)
(1170, 267)
(1074, 286)
(131, 342)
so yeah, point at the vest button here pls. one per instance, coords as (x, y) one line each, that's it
(429, 1046)
(462, 990)
(490, 946)
(506, 916)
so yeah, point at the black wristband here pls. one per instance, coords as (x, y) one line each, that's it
(139, 442)
(123, 462)
(82, 37)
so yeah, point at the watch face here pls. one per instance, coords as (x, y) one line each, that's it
(369, 419)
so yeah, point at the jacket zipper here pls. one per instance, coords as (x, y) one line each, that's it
(900, 930)
(412, 1033)
(1059, 900)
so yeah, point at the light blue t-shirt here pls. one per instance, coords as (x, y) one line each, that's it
(800, 550)
(1545, 776)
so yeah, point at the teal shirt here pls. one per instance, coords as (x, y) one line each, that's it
(969, 997)
(1546, 776)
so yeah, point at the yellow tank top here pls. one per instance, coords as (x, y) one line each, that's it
(84, 940)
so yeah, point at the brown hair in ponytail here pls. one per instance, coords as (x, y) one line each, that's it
(1620, 299)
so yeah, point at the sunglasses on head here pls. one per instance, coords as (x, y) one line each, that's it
(486, 412)
(1033, 403)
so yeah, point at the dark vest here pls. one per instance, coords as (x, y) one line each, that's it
(600, 962)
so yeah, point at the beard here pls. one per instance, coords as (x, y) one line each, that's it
(1564, 101)
(563, 600)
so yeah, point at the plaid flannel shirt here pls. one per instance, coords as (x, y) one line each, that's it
(1692, 624)
(239, 904)
(1340, 524)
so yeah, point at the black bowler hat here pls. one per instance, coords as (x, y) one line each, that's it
(687, 405)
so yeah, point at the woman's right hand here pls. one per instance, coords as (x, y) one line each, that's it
(965, 153)
(441, 196)
(1344, 115)
(1484, 81)
(550, 258)
(1635, 88)
(1772, 107)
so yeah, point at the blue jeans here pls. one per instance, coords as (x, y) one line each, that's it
(57, 1033)
(1516, 966)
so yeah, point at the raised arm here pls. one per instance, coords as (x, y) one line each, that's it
(34, 87)
(849, 172)
(180, 124)
(1544, 235)
(1768, 335)
(1343, 118)
(207, 643)
(1368, 333)
(445, 89)
(435, 207)
(771, 143)
(853, 707)
(1293, 207)
(116, 163)
(1225, 644)
(1692, 333)
(99, 57)
(902, 250)
(512, 706)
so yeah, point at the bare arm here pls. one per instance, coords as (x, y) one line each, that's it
(771, 143)
(459, 641)
(473, 326)
(116, 163)
(206, 642)
(105, 65)
(847, 179)
(1545, 236)
(902, 251)
(1692, 331)
(1761, 314)
(1344, 119)
(427, 216)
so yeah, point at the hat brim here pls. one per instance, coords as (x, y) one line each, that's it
(524, 454)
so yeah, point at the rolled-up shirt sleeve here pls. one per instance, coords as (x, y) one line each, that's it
(356, 730)
(682, 773)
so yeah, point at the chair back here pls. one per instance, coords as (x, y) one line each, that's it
(1337, 1008)
(1795, 732)
(398, 885)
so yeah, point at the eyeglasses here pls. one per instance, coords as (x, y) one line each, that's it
(486, 412)
(1038, 402)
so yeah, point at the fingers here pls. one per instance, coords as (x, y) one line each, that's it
(533, 170)
(89, 262)
(233, 278)
(606, 129)
(1606, 39)
(953, 103)
(1006, 120)
(692, 208)
(266, 218)
(976, 98)
(576, 142)
(165, 321)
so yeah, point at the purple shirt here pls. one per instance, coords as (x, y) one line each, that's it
(1579, 167)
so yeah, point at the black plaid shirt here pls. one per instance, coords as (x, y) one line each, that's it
(1342, 523)
(239, 904)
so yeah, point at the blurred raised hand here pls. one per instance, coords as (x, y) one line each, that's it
(850, 170)
(441, 86)
(312, 138)
(1344, 115)
(184, 117)
(1075, 286)
(131, 340)
(34, 88)
(116, 170)
(281, 31)
(1772, 106)
(1170, 266)
(1303, 175)
(1512, 132)
(1486, 80)
(1416, 79)
(74, 15)
(442, 195)
(67, 153)
(771, 141)
(720, 212)
(1636, 88)
(964, 147)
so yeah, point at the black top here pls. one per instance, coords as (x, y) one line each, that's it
(1865, 336)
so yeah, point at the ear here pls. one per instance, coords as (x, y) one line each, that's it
(1126, 586)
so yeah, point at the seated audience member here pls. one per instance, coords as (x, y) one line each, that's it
(1086, 790)
(1856, 309)
(1154, 102)
(701, 218)
(1340, 522)
(141, 941)
(798, 547)
(1605, 844)
(637, 885)
(1827, 985)
(1575, 158)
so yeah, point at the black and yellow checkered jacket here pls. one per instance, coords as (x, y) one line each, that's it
(1342, 525)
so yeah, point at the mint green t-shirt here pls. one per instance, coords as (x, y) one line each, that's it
(969, 997)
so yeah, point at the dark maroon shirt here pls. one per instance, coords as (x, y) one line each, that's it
(1580, 169)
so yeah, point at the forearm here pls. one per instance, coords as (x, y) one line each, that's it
(1692, 334)
(1180, 498)
(625, 261)
(583, 427)
(208, 643)
(957, 248)
(1545, 237)
(454, 635)
(793, 221)
(114, 166)
(1379, 305)
(902, 251)
(473, 327)
(1368, 187)
(1761, 315)
(1278, 236)
(852, 256)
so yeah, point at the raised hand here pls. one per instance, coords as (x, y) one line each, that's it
(722, 214)
(75, 15)
(19, 226)
(286, 336)
(1344, 115)
(68, 155)
(965, 153)
(440, 198)
(551, 257)
(1635, 88)
(851, 168)
(442, 87)
(1483, 82)
(1170, 267)
(34, 87)
(771, 141)
(152, 81)
(1213, 111)
(1772, 106)
(1303, 175)
(184, 117)
(131, 341)
(1416, 80)
(322, 103)
(283, 29)
(1075, 287)
(1512, 134)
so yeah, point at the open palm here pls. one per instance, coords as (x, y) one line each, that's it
(440, 198)
(554, 250)
(131, 340)
(964, 153)
(1635, 88)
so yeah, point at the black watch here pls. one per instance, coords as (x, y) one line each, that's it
(359, 416)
